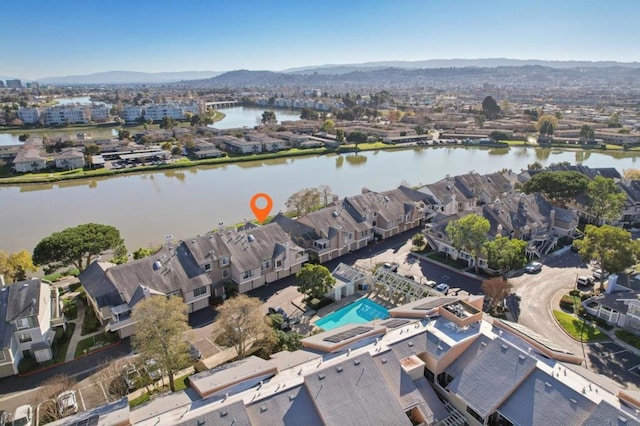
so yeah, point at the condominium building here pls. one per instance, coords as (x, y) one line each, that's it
(156, 112)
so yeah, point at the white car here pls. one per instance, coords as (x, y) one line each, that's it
(443, 288)
(23, 416)
(67, 403)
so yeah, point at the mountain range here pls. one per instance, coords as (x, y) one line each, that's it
(134, 77)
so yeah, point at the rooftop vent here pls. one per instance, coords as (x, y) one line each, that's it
(547, 384)
(251, 238)
(157, 265)
(335, 213)
(321, 376)
(521, 357)
(339, 369)
(573, 400)
(356, 362)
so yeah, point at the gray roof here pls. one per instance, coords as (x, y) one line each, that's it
(331, 218)
(486, 380)
(543, 400)
(178, 271)
(295, 229)
(207, 248)
(353, 393)
(406, 391)
(607, 414)
(95, 282)
(229, 415)
(389, 205)
(289, 407)
(69, 154)
(24, 299)
(420, 343)
(6, 330)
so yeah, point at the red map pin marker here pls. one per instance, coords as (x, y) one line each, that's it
(261, 213)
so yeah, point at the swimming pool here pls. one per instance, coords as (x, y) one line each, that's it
(361, 311)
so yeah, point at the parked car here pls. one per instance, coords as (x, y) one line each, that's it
(131, 376)
(409, 276)
(599, 274)
(4, 418)
(584, 281)
(23, 416)
(393, 267)
(152, 369)
(533, 267)
(278, 310)
(67, 403)
(443, 288)
(194, 353)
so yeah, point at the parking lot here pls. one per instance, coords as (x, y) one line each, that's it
(615, 362)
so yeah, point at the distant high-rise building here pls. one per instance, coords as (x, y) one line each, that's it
(14, 84)
(1, 84)
(33, 85)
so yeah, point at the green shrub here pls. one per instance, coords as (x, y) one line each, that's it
(629, 338)
(567, 302)
(74, 286)
(70, 309)
(90, 323)
(575, 293)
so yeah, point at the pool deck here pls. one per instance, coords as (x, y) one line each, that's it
(349, 300)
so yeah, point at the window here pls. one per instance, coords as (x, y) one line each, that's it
(247, 274)
(22, 323)
(278, 263)
(364, 234)
(24, 337)
(207, 267)
(475, 415)
(226, 273)
(266, 264)
(444, 379)
(200, 291)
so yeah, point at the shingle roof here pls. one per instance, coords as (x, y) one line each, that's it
(420, 343)
(543, 400)
(229, 415)
(331, 218)
(24, 299)
(606, 414)
(6, 330)
(97, 284)
(290, 407)
(484, 381)
(354, 393)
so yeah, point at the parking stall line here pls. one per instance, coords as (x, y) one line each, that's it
(84, 407)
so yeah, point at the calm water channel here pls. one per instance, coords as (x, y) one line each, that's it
(184, 203)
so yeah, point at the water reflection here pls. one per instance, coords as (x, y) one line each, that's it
(542, 154)
(355, 159)
(500, 151)
(339, 161)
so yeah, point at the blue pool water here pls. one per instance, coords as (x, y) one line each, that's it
(364, 310)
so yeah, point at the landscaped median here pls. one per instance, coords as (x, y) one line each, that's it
(579, 329)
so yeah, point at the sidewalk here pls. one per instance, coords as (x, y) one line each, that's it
(73, 342)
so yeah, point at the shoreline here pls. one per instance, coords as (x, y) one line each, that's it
(80, 174)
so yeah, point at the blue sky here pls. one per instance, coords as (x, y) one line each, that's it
(40, 38)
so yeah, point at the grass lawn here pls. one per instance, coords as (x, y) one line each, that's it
(574, 326)
(515, 143)
(180, 383)
(443, 258)
(60, 351)
(139, 400)
(94, 342)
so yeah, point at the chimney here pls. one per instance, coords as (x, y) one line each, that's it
(552, 219)
(220, 226)
(611, 284)
(2, 283)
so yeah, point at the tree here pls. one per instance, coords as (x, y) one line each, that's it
(547, 124)
(168, 123)
(142, 252)
(418, 240)
(357, 137)
(91, 149)
(124, 134)
(47, 397)
(308, 114)
(240, 321)
(327, 195)
(469, 234)
(314, 281)
(269, 117)
(505, 254)
(559, 186)
(339, 135)
(498, 136)
(161, 323)
(23, 137)
(76, 246)
(15, 266)
(586, 133)
(166, 146)
(109, 377)
(490, 108)
(613, 247)
(328, 125)
(606, 200)
(631, 174)
(304, 201)
(496, 290)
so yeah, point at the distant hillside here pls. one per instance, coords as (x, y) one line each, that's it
(454, 63)
(509, 76)
(129, 77)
